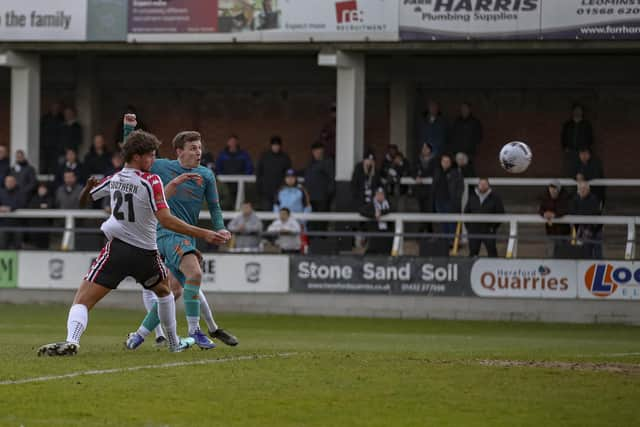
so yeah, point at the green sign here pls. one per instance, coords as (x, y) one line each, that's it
(8, 269)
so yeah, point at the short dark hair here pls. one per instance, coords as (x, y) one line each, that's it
(285, 210)
(183, 137)
(484, 178)
(139, 142)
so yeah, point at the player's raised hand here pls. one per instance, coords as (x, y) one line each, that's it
(92, 181)
(130, 120)
(225, 233)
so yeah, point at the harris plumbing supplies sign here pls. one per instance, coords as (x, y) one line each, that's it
(524, 278)
(461, 19)
(380, 275)
(609, 280)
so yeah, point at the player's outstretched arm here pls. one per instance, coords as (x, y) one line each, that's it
(171, 188)
(174, 224)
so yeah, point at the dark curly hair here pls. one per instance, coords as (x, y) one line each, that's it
(139, 142)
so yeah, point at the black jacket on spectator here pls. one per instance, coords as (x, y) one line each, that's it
(51, 147)
(464, 136)
(378, 245)
(40, 239)
(424, 168)
(363, 187)
(5, 169)
(560, 207)
(392, 175)
(591, 170)
(319, 178)
(71, 136)
(96, 164)
(492, 205)
(449, 184)
(270, 174)
(14, 199)
(590, 205)
(26, 176)
(65, 167)
(577, 135)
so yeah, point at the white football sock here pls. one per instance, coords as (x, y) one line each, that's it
(206, 313)
(167, 315)
(77, 322)
(148, 299)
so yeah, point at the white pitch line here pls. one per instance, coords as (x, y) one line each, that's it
(138, 368)
(609, 355)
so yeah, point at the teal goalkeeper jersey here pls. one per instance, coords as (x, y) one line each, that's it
(187, 201)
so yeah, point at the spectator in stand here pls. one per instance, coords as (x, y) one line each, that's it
(288, 232)
(375, 210)
(70, 164)
(555, 204)
(433, 129)
(233, 160)
(208, 160)
(447, 189)
(25, 175)
(51, 148)
(364, 181)
(466, 135)
(577, 134)
(589, 235)
(466, 169)
(5, 165)
(70, 131)
(483, 201)
(328, 133)
(97, 162)
(41, 200)
(272, 167)
(68, 194)
(319, 179)
(11, 198)
(393, 174)
(387, 161)
(423, 169)
(292, 195)
(589, 167)
(247, 229)
(117, 163)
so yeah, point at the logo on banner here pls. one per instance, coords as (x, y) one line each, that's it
(56, 268)
(603, 280)
(252, 272)
(347, 12)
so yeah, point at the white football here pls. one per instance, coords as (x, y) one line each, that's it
(515, 157)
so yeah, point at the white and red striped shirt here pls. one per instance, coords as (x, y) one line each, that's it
(135, 198)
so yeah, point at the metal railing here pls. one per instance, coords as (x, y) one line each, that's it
(242, 180)
(399, 220)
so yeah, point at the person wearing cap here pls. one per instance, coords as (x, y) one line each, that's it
(554, 204)
(292, 195)
(270, 173)
(364, 180)
(375, 210)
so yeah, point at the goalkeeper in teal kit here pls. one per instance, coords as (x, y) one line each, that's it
(187, 184)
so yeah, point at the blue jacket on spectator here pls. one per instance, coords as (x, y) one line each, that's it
(294, 198)
(234, 163)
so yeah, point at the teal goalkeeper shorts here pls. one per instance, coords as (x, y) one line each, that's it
(173, 247)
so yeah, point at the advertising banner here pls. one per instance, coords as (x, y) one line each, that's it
(224, 273)
(58, 270)
(590, 19)
(474, 19)
(262, 20)
(245, 273)
(529, 278)
(381, 275)
(8, 269)
(43, 20)
(609, 280)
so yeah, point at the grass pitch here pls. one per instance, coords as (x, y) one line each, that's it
(311, 371)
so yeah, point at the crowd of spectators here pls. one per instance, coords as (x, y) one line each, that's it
(446, 155)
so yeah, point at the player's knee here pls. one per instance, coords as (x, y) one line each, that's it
(162, 289)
